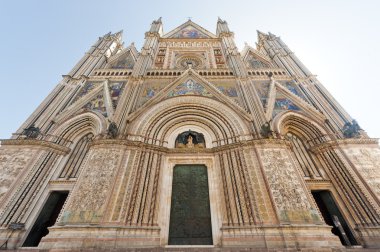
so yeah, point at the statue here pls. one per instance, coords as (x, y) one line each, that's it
(266, 130)
(190, 143)
(31, 132)
(113, 130)
(351, 129)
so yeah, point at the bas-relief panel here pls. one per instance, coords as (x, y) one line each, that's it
(287, 191)
(12, 163)
(88, 199)
(367, 162)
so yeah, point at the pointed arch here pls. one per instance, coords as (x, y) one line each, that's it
(79, 125)
(306, 127)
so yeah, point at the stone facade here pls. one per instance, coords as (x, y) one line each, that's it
(287, 167)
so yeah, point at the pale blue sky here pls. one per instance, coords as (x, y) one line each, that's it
(41, 40)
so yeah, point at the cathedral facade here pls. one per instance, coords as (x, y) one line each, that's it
(189, 142)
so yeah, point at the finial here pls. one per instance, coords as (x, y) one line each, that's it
(188, 18)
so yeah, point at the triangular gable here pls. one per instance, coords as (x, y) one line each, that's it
(277, 97)
(255, 59)
(191, 83)
(125, 59)
(103, 98)
(282, 99)
(189, 30)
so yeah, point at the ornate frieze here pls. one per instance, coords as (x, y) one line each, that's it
(342, 142)
(12, 163)
(33, 143)
(189, 44)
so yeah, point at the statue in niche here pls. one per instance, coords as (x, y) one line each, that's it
(351, 129)
(113, 131)
(190, 139)
(31, 132)
(190, 143)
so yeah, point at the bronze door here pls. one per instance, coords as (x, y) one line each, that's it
(190, 217)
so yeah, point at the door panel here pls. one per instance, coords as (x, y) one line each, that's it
(190, 218)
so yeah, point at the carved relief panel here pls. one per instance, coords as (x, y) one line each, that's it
(288, 193)
(89, 197)
(12, 163)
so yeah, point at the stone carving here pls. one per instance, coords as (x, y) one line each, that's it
(367, 162)
(351, 130)
(12, 162)
(266, 130)
(31, 132)
(113, 131)
(95, 182)
(287, 191)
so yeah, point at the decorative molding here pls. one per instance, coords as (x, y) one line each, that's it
(100, 143)
(343, 142)
(50, 146)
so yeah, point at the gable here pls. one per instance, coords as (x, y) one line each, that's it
(192, 84)
(125, 61)
(256, 62)
(189, 30)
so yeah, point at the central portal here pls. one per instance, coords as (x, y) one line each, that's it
(190, 218)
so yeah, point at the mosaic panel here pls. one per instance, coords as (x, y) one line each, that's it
(189, 32)
(190, 87)
(282, 104)
(85, 90)
(292, 87)
(151, 89)
(116, 88)
(97, 104)
(262, 89)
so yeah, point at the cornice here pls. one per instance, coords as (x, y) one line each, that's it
(343, 142)
(260, 143)
(50, 146)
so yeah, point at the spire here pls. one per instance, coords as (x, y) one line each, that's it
(156, 26)
(222, 27)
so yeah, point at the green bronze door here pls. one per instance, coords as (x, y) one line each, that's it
(190, 218)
